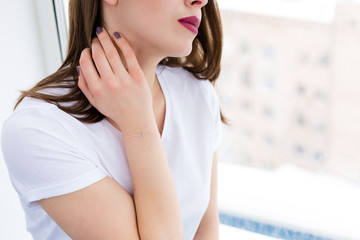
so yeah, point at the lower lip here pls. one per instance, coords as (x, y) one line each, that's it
(190, 27)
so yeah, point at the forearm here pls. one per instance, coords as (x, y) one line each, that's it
(157, 208)
(208, 230)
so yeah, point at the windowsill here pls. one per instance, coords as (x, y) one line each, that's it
(292, 198)
(231, 233)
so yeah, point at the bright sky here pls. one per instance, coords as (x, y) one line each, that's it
(308, 10)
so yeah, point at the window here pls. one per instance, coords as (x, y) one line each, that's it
(246, 78)
(245, 48)
(246, 105)
(300, 120)
(245, 159)
(304, 58)
(247, 133)
(266, 84)
(269, 140)
(324, 60)
(353, 23)
(299, 150)
(318, 156)
(268, 112)
(62, 12)
(269, 52)
(318, 125)
(301, 90)
(320, 94)
(304, 71)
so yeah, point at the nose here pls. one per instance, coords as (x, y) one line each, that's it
(198, 3)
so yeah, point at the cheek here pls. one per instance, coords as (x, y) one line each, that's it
(175, 39)
(161, 32)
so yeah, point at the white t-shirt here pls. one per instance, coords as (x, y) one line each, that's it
(50, 153)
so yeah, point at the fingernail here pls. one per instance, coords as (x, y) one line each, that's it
(98, 30)
(78, 70)
(117, 35)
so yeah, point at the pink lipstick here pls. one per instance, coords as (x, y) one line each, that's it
(192, 23)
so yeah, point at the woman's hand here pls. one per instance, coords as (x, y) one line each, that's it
(121, 94)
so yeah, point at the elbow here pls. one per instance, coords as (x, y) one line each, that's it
(162, 235)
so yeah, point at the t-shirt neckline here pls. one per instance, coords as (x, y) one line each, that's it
(164, 88)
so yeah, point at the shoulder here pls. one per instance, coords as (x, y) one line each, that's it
(194, 89)
(175, 71)
(38, 120)
(39, 133)
(29, 113)
(33, 112)
(46, 152)
(179, 75)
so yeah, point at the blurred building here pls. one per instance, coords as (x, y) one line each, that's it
(291, 87)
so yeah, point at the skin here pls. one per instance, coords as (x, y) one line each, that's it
(155, 33)
(124, 92)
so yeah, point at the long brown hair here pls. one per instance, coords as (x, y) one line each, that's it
(84, 16)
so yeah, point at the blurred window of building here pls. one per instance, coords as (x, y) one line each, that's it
(318, 125)
(269, 140)
(268, 112)
(353, 23)
(245, 48)
(246, 104)
(245, 159)
(324, 60)
(321, 94)
(301, 90)
(246, 78)
(269, 52)
(300, 120)
(247, 133)
(304, 58)
(299, 149)
(267, 84)
(318, 155)
(227, 101)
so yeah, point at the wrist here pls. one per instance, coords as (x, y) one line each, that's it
(141, 134)
(139, 127)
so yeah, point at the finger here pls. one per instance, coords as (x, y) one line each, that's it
(90, 74)
(131, 61)
(84, 87)
(101, 62)
(111, 52)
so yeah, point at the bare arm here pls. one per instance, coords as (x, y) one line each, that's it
(102, 211)
(209, 225)
(156, 202)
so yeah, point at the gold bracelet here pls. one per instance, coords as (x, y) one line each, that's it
(140, 134)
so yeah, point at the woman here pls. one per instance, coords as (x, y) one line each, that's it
(120, 142)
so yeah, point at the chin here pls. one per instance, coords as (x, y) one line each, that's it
(183, 52)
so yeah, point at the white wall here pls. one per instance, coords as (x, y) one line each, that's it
(21, 65)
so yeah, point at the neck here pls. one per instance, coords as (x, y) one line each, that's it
(148, 56)
(147, 63)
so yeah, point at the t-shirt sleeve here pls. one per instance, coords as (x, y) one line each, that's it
(44, 157)
(218, 125)
(214, 104)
